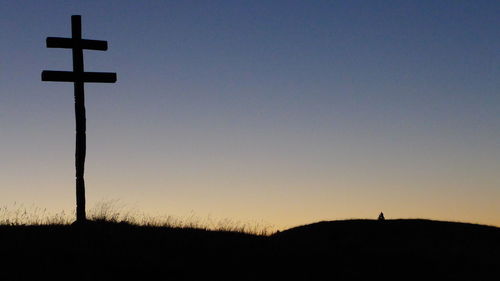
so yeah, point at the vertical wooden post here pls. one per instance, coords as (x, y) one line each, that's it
(81, 142)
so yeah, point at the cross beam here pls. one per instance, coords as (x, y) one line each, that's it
(70, 43)
(77, 44)
(70, 76)
(78, 76)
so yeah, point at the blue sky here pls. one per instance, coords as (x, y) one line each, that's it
(282, 111)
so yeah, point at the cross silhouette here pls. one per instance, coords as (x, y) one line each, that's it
(78, 77)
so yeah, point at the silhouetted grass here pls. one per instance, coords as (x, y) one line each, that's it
(19, 214)
(118, 245)
(111, 211)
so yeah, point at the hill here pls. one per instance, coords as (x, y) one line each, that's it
(408, 249)
(336, 250)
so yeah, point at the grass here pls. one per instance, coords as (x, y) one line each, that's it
(112, 211)
(123, 244)
(19, 214)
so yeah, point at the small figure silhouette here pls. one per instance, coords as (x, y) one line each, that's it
(381, 217)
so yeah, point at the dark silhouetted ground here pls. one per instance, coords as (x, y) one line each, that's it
(337, 250)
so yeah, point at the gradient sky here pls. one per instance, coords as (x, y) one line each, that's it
(282, 112)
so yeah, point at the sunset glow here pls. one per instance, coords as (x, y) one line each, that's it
(277, 112)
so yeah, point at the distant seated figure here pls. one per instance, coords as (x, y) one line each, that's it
(381, 216)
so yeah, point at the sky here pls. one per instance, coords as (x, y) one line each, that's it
(278, 112)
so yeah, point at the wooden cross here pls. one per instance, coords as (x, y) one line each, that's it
(78, 77)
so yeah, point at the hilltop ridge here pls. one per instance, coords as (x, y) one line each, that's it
(343, 250)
